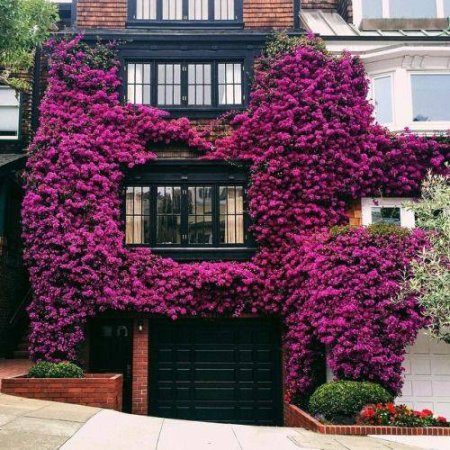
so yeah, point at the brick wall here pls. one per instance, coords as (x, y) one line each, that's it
(140, 368)
(325, 5)
(101, 13)
(99, 390)
(277, 14)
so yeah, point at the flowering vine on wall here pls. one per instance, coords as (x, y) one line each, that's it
(314, 147)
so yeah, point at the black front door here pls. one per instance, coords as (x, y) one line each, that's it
(216, 370)
(111, 350)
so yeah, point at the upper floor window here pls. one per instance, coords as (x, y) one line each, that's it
(401, 9)
(9, 113)
(194, 208)
(188, 11)
(389, 211)
(430, 97)
(185, 85)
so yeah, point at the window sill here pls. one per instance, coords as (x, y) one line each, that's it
(203, 253)
(136, 23)
(386, 24)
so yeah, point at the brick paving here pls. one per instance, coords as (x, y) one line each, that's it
(13, 367)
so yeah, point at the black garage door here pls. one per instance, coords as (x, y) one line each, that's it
(216, 370)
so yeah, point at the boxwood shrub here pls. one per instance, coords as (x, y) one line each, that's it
(344, 399)
(55, 370)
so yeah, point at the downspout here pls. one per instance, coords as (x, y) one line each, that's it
(297, 12)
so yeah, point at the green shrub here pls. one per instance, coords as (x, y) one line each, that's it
(345, 399)
(55, 370)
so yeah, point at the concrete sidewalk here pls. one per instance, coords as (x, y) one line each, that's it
(27, 424)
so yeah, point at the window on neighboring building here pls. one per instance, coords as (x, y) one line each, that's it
(447, 8)
(401, 9)
(389, 211)
(372, 8)
(430, 97)
(382, 97)
(412, 9)
(191, 85)
(9, 113)
(211, 214)
(185, 10)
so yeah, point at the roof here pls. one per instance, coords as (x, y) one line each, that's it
(10, 161)
(332, 24)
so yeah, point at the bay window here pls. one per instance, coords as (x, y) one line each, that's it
(9, 113)
(382, 98)
(430, 97)
(185, 84)
(388, 211)
(168, 211)
(185, 11)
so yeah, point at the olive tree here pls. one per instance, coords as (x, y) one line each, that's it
(24, 25)
(430, 280)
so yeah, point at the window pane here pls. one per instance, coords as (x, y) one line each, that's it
(382, 88)
(224, 10)
(200, 227)
(431, 97)
(169, 84)
(137, 209)
(412, 9)
(138, 83)
(231, 214)
(372, 9)
(447, 8)
(199, 84)
(9, 112)
(198, 10)
(172, 10)
(389, 216)
(146, 9)
(230, 84)
(168, 215)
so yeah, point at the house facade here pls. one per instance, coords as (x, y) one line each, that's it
(194, 59)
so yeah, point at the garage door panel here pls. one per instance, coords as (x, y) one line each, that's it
(427, 376)
(222, 371)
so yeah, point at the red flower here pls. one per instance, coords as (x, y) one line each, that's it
(441, 419)
(426, 413)
(391, 408)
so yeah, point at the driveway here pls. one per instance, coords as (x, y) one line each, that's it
(27, 424)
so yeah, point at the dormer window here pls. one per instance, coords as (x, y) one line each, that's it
(178, 12)
(400, 9)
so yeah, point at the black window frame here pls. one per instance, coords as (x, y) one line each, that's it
(185, 22)
(187, 173)
(184, 88)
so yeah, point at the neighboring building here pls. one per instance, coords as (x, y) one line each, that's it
(194, 58)
(404, 45)
(18, 120)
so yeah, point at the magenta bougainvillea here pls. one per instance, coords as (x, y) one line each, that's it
(313, 147)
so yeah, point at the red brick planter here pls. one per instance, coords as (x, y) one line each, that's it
(295, 417)
(103, 390)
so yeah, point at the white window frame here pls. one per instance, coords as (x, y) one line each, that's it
(16, 137)
(372, 93)
(407, 218)
(432, 124)
(358, 10)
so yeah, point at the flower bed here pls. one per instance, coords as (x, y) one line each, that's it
(296, 417)
(102, 390)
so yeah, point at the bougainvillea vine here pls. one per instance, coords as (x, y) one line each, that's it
(313, 146)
